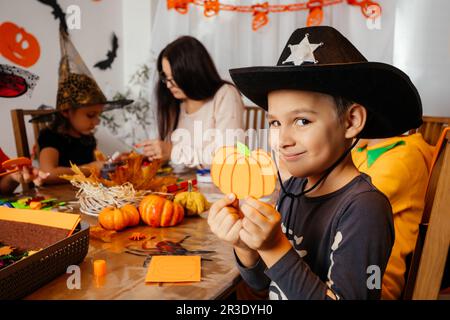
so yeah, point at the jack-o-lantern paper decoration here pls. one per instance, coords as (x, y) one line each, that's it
(18, 46)
(244, 173)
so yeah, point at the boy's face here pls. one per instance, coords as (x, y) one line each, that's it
(84, 120)
(306, 131)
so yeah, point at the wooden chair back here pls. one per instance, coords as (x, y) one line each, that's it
(431, 128)
(432, 246)
(20, 129)
(255, 118)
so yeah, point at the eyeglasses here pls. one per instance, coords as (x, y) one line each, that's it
(166, 80)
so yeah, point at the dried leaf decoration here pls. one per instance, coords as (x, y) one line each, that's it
(6, 250)
(141, 176)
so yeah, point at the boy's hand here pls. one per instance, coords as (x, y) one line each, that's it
(261, 228)
(224, 219)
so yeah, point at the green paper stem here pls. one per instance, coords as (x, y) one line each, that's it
(243, 149)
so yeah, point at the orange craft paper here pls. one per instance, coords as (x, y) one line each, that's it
(174, 269)
(40, 217)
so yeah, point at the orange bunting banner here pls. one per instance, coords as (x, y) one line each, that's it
(369, 9)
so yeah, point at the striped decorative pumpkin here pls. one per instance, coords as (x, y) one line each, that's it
(112, 218)
(244, 173)
(133, 214)
(158, 211)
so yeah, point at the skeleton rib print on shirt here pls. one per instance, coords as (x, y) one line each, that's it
(335, 238)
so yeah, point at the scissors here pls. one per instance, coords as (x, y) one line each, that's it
(14, 165)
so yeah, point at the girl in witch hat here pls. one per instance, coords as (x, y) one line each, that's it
(80, 102)
(331, 234)
(15, 82)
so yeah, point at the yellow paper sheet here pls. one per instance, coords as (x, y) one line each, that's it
(174, 269)
(40, 217)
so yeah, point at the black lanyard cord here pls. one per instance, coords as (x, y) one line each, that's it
(325, 175)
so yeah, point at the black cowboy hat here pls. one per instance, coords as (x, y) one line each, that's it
(321, 59)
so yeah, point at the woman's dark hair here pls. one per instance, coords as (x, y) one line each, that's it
(193, 71)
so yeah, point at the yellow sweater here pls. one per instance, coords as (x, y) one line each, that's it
(399, 167)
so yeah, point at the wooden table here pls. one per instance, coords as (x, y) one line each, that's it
(126, 273)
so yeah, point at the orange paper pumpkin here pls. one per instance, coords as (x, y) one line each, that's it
(157, 211)
(113, 219)
(244, 173)
(18, 46)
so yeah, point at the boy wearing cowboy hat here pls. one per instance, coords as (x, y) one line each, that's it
(331, 234)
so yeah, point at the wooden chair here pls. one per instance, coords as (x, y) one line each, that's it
(254, 123)
(431, 128)
(432, 246)
(20, 129)
(255, 118)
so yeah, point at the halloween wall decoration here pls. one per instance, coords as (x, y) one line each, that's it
(15, 81)
(244, 173)
(18, 46)
(112, 54)
(260, 11)
(57, 12)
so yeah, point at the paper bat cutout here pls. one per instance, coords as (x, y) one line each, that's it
(112, 54)
(57, 12)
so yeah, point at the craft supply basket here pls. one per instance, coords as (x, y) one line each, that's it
(27, 275)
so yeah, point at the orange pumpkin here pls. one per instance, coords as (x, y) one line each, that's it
(112, 218)
(244, 173)
(157, 211)
(133, 214)
(18, 46)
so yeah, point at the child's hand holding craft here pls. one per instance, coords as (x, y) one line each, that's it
(261, 231)
(224, 219)
(261, 226)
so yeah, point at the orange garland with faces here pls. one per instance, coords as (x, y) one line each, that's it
(261, 10)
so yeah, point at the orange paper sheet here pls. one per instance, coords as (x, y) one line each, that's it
(174, 269)
(40, 217)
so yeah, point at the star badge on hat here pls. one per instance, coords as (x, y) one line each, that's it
(302, 52)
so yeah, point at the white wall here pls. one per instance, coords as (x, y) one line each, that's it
(137, 30)
(99, 19)
(422, 50)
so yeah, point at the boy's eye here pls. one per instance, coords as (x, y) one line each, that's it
(302, 122)
(274, 123)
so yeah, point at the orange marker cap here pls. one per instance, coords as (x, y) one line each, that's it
(99, 268)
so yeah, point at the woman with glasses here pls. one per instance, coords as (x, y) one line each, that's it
(195, 106)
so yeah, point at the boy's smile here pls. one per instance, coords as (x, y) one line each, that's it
(306, 131)
(291, 156)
